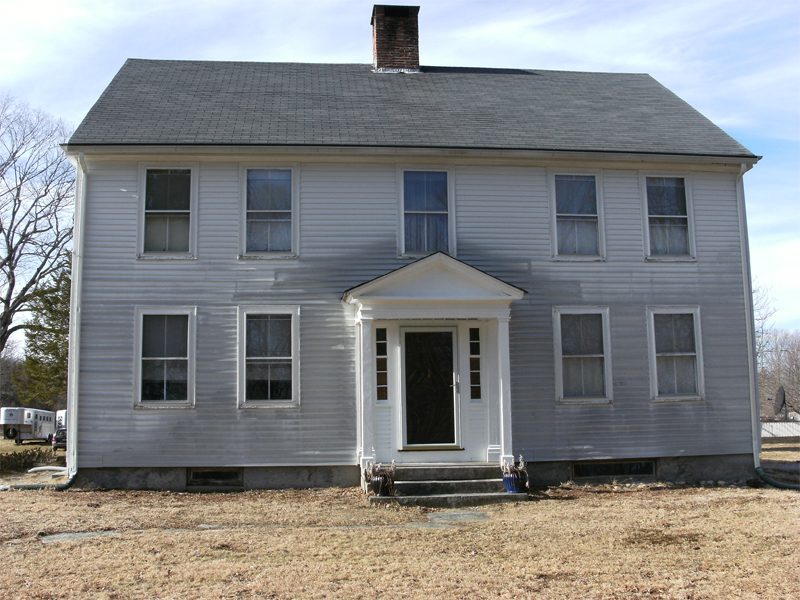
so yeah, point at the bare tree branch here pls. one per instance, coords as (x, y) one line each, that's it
(37, 185)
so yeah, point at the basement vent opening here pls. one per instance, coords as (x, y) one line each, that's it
(642, 468)
(215, 476)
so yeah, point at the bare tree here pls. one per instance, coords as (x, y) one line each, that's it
(763, 311)
(37, 186)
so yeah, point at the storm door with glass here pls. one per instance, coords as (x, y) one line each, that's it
(429, 383)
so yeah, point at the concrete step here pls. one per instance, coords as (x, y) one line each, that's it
(449, 471)
(448, 486)
(449, 500)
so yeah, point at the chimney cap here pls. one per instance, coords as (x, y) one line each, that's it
(394, 10)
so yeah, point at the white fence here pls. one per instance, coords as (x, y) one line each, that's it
(785, 429)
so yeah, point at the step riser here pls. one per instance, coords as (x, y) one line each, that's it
(425, 488)
(455, 501)
(446, 473)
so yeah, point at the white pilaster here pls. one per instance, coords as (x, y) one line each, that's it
(367, 449)
(504, 375)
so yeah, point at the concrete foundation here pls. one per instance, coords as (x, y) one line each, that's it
(254, 478)
(731, 468)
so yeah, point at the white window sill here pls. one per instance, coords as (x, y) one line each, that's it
(254, 405)
(580, 401)
(166, 256)
(667, 399)
(670, 258)
(267, 256)
(155, 405)
(578, 258)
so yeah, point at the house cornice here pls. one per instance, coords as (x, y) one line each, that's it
(335, 154)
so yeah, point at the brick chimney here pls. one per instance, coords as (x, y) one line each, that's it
(395, 38)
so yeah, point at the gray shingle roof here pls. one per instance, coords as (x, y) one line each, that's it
(242, 103)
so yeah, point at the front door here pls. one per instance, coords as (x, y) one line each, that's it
(429, 382)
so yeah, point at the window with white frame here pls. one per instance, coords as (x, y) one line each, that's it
(270, 226)
(668, 214)
(165, 356)
(268, 353)
(167, 211)
(582, 354)
(675, 357)
(577, 216)
(426, 212)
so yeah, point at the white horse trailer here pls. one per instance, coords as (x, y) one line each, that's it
(20, 424)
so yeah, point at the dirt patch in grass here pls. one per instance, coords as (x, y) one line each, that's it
(570, 542)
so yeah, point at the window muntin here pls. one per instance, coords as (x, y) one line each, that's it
(426, 226)
(668, 216)
(577, 228)
(676, 354)
(268, 210)
(167, 210)
(164, 359)
(268, 356)
(583, 359)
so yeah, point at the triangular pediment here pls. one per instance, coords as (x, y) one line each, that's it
(435, 277)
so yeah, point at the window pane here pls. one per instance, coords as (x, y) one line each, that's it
(168, 189)
(269, 336)
(666, 196)
(269, 232)
(425, 191)
(474, 334)
(177, 335)
(587, 236)
(674, 333)
(155, 234)
(380, 364)
(178, 234)
(415, 232)
(665, 371)
(269, 190)
(583, 377)
(268, 380)
(572, 371)
(154, 329)
(581, 334)
(257, 235)
(257, 381)
(669, 236)
(380, 334)
(685, 374)
(153, 376)
(436, 235)
(280, 385)
(280, 235)
(577, 235)
(176, 380)
(576, 195)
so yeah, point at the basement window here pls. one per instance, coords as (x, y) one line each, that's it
(642, 468)
(215, 477)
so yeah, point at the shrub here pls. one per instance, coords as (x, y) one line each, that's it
(26, 459)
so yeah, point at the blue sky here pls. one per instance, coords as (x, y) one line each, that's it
(737, 62)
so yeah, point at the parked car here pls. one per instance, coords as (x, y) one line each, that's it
(60, 438)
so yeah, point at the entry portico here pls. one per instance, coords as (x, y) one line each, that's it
(433, 364)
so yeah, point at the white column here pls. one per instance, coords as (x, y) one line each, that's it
(504, 376)
(367, 368)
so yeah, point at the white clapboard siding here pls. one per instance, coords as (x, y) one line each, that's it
(348, 235)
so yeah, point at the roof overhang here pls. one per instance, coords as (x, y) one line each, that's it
(435, 287)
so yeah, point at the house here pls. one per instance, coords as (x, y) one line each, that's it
(284, 271)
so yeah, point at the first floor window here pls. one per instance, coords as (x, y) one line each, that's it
(668, 216)
(270, 356)
(165, 361)
(167, 210)
(674, 354)
(582, 354)
(425, 212)
(576, 215)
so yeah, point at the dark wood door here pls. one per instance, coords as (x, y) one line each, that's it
(429, 387)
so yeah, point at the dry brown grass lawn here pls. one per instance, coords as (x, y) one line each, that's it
(649, 542)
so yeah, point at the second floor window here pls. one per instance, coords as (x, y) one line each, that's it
(668, 216)
(269, 210)
(425, 212)
(576, 215)
(167, 211)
